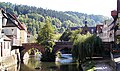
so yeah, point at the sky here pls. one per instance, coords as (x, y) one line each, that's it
(97, 7)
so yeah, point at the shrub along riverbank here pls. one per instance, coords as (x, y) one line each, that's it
(102, 65)
(85, 46)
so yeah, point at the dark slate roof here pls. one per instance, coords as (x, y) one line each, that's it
(22, 27)
(10, 22)
(92, 28)
(4, 13)
(74, 28)
(89, 29)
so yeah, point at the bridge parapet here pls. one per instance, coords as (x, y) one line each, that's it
(64, 43)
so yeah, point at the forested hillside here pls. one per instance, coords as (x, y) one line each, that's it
(35, 17)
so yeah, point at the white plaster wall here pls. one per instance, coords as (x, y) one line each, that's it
(25, 37)
(15, 32)
(0, 49)
(0, 23)
(6, 48)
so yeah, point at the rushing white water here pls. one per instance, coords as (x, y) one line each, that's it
(65, 58)
(103, 67)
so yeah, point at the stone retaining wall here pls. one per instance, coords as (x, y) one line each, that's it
(8, 61)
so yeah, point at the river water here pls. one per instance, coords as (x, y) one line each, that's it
(34, 64)
(65, 63)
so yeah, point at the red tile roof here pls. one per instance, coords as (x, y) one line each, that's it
(22, 27)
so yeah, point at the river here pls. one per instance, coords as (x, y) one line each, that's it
(33, 63)
(65, 63)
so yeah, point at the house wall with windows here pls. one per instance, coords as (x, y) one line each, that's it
(6, 48)
(9, 37)
(5, 42)
(1, 39)
(23, 36)
(1, 22)
(14, 34)
(23, 33)
(107, 34)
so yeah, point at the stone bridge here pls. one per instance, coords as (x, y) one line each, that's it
(59, 46)
(27, 46)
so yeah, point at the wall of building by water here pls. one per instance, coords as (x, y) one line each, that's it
(8, 61)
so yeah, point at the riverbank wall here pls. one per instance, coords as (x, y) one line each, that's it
(6, 62)
(104, 64)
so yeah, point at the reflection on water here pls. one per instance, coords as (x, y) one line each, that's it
(13, 68)
(34, 64)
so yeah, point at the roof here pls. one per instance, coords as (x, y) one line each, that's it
(92, 29)
(99, 26)
(74, 28)
(3, 13)
(22, 27)
(89, 29)
(5, 38)
(11, 21)
(13, 18)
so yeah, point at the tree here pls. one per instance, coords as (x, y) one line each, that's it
(45, 37)
(74, 34)
(46, 33)
(85, 46)
(65, 36)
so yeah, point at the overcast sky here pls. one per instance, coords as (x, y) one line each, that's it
(97, 7)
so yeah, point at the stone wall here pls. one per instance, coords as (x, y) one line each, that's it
(8, 61)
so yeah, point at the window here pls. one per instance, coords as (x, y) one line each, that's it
(1, 49)
(8, 45)
(4, 45)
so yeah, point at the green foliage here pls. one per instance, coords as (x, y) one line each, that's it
(57, 36)
(74, 34)
(85, 46)
(34, 17)
(89, 66)
(46, 33)
(32, 51)
(65, 36)
(118, 39)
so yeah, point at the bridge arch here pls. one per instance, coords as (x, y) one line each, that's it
(61, 45)
(28, 46)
